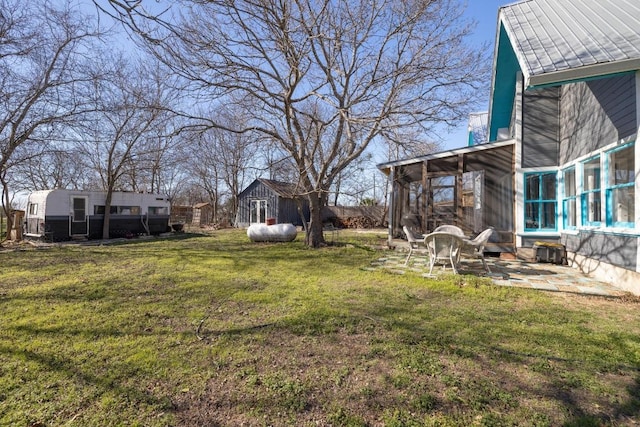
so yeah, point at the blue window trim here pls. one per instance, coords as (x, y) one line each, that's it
(541, 202)
(610, 188)
(566, 199)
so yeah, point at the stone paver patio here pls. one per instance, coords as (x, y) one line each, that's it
(515, 273)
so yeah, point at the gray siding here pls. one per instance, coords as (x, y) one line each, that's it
(498, 189)
(596, 113)
(614, 249)
(256, 191)
(540, 128)
(288, 211)
(283, 209)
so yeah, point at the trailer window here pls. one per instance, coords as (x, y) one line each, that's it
(157, 210)
(129, 210)
(79, 209)
(117, 210)
(33, 208)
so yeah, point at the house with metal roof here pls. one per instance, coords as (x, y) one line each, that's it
(564, 114)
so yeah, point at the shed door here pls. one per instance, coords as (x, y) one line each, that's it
(258, 211)
(79, 216)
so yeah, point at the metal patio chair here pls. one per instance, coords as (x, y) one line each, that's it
(453, 229)
(414, 240)
(477, 245)
(443, 248)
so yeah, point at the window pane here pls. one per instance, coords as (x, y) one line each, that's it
(592, 206)
(263, 210)
(157, 210)
(622, 166)
(548, 219)
(532, 186)
(532, 219)
(254, 212)
(78, 210)
(570, 182)
(570, 213)
(548, 186)
(622, 204)
(591, 179)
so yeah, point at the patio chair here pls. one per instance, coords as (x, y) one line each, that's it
(414, 240)
(444, 248)
(450, 229)
(477, 245)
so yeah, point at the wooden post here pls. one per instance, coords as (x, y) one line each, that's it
(391, 205)
(425, 194)
(458, 196)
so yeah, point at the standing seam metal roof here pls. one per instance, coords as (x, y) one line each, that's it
(555, 35)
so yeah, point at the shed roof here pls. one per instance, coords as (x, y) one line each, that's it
(282, 189)
(564, 40)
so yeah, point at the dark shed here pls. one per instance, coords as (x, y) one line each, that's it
(268, 199)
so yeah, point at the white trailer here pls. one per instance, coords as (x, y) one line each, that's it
(59, 215)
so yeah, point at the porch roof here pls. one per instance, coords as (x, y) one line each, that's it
(443, 155)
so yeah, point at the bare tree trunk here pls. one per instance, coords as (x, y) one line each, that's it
(315, 237)
(6, 208)
(107, 214)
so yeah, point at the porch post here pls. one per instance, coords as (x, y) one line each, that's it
(518, 188)
(391, 185)
(458, 196)
(425, 194)
(637, 171)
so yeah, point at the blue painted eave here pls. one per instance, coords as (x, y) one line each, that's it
(504, 85)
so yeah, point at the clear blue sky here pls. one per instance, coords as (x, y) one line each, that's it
(485, 13)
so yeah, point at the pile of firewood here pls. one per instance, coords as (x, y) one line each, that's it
(355, 222)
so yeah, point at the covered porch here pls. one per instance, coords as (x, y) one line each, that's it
(470, 187)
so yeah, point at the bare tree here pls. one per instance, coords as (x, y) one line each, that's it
(130, 110)
(322, 78)
(51, 168)
(43, 52)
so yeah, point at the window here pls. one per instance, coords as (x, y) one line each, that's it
(540, 201)
(620, 192)
(157, 210)
(258, 213)
(79, 209)
(117, 210)
(128, 210)
(569, 215)
(591, 194)
(33, 208)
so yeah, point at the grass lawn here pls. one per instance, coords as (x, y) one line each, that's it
(213, 330)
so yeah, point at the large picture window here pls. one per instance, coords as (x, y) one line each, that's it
(569, 208)
(591, 197)
(620, 191)
(540, 201)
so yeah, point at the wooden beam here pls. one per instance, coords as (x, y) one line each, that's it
(425, 195)
(458, 191)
